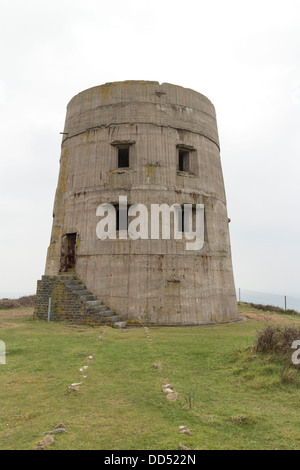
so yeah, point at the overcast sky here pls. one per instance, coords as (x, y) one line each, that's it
(243, 55)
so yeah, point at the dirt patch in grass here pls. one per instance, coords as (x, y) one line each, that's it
(10, 325)
(264, 317)
(12, 314)
(15, 313)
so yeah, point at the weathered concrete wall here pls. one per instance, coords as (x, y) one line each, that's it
(156, 281)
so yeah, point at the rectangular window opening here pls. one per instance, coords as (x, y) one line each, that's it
(183, 225)
(123, 157)
(183, 160)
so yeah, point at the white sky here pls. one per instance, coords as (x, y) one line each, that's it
(243, 55)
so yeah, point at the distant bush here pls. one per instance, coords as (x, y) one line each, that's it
(5, 304)
(271, 308)
(25, 301)
(276, 339)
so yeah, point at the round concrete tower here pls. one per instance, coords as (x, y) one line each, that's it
(153, 144)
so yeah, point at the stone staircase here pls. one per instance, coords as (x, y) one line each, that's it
(93, 306)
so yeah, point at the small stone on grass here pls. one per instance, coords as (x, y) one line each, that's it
(45, 442)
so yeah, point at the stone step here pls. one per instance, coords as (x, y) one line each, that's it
(94, 306)
(81, 292)
(113, 319)
(108, 313)
(100, 313)
(120, 324)
(94, 303)
(71, 282)
(66, 276)
(87, 297)
(77, 287)
(99, 308)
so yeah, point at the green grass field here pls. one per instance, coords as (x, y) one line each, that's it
(229, 397)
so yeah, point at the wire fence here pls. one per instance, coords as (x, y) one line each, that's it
(285, 302)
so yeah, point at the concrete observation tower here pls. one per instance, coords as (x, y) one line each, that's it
(153, 144)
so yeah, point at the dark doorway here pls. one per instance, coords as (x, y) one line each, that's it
(68, 252)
